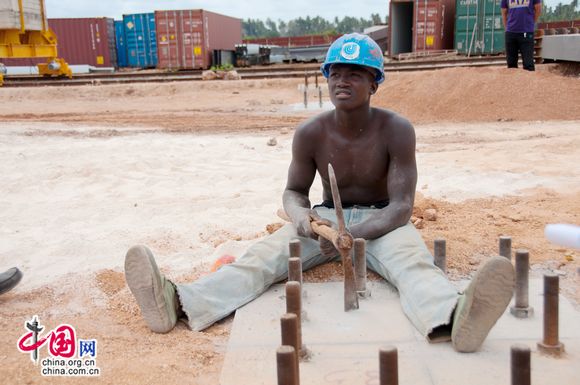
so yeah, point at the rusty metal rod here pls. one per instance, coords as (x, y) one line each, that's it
(551, 344)
(440, 251)
(388, 366)
(295, 270)
(520, 365)
(522, 267)
(320, 97)
(316, 79)
(505, 247)
(287, 366)
(551, 292)
(295, 248)
(294, 304)
(522, 309)
(289, 327)
(360, 265)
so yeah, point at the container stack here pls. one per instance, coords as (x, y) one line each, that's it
(478, 27)
(140, 39)
(186, 39)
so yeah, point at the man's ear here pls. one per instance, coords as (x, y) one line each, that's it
(374, 88)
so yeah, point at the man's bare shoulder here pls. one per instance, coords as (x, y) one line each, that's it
(396, 130)
(312, 128)
(315, 124)
(390, 120)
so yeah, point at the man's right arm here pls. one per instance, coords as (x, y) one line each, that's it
(504, 12)
(301, 174)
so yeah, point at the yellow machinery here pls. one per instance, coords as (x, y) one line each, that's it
(22, 43)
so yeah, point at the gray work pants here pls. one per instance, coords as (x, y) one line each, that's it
(401, 257)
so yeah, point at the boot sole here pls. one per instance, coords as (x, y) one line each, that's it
(11, 282)
(492, 291)
(143, 279)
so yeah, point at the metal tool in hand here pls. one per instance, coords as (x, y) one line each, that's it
(343, 243)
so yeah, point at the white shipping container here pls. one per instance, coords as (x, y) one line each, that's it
(10, 14)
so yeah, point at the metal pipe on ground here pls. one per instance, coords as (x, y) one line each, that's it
(360, 266)
(295, 250)
(521, 308)
(294, 262)
(551, 344)
(520, 365)
(505, 247)
(286, 366)
(294, 305)
(388, 366)
(295, 270)
(440, 254)
(289, 326)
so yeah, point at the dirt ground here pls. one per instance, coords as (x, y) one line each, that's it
(186, 168)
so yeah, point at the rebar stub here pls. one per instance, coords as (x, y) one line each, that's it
(552, 350)
(522, 312)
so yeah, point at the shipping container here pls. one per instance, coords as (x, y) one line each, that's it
(420, 26)
(186, 39)
(478, 27)
(32, 11)
(141, 39)
(121, 45)
(295, 41)
(89, 41)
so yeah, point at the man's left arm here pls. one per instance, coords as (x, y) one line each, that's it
(537, 10)
(401, 180)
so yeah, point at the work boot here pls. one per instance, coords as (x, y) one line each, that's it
(154, 293)
(9, 279)
(481, 305)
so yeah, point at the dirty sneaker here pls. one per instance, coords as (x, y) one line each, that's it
(154, 293)
(482, 303)
(9, 279)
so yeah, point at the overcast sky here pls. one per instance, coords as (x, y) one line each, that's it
(243, 9)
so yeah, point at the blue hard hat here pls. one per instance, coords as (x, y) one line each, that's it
(355, 48)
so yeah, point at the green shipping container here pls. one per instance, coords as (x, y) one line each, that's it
(478, 27)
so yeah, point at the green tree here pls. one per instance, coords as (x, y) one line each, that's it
(307, 26)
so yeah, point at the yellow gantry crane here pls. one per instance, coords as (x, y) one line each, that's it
(27, 43)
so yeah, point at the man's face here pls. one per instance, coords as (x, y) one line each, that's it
(350, 85)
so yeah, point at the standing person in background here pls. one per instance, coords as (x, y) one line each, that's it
(519, 19)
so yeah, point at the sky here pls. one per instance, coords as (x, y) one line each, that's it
(243, 9)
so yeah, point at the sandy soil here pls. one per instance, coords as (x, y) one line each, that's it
(186, 169)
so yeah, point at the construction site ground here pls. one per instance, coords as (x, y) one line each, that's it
(196, 170)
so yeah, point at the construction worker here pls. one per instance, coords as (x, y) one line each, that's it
(372, 151)
(519, 19)
(9, 279)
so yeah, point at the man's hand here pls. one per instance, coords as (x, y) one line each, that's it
(301, 219)
(327, 249)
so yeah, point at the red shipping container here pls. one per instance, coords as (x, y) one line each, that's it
(420, 26)
(88, 41)
(186, 39)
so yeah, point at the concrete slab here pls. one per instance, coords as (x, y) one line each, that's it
(344, 346)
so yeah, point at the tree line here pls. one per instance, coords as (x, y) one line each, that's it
(560, 12)
(255, 28)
